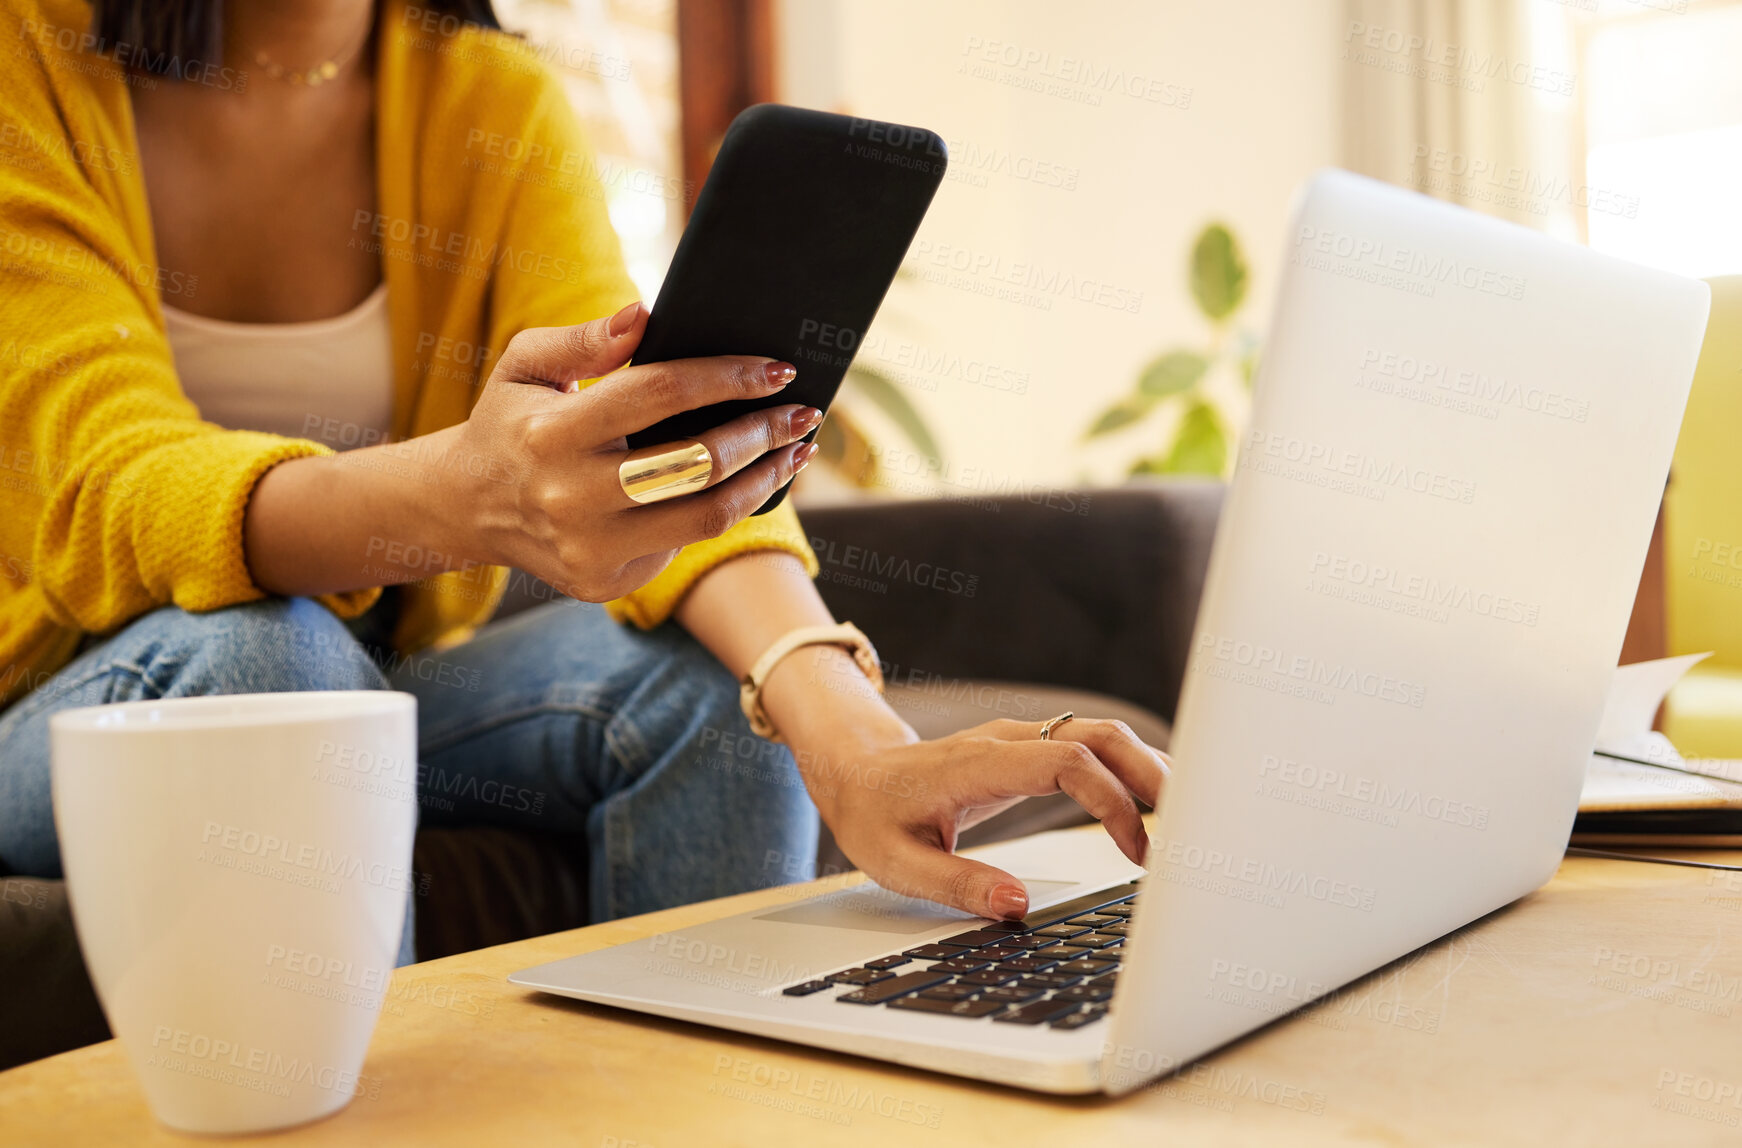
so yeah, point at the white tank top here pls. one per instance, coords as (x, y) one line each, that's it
(330, 380)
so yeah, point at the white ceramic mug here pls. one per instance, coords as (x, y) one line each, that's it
(238, 868)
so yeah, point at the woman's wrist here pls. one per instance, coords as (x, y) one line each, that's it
(832, 717)
(370, 517)
(817, 697)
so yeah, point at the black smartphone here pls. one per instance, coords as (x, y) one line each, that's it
(795, 238)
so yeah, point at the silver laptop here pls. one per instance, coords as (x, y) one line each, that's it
(1460, 433)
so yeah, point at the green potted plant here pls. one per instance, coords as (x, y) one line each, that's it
(844, 443)
(1179, 379)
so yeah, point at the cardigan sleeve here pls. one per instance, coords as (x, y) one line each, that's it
(121, 496)
(561, 208)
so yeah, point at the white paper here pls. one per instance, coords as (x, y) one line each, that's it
(1635, 693)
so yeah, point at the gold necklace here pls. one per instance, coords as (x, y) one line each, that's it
(321, 72)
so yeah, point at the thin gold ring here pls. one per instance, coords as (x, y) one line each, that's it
(1046, 730)
(656, 473)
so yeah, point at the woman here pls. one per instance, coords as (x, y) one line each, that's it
(306, 222)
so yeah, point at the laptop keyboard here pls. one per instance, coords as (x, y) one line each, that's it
(1057, 967)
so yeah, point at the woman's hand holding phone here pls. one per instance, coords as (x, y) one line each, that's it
(547, 497)
(531, 478)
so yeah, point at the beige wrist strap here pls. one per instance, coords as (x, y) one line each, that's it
(846, 635)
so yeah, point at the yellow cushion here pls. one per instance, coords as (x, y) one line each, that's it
(1703, 714)
(1703, 505)
(1703, 542)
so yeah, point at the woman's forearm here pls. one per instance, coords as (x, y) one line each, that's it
(817, 697)
(532, 478)
(370, 517)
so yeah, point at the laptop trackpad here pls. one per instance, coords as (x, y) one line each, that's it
(880, 911)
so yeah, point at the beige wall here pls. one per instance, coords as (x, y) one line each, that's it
(1225, 106)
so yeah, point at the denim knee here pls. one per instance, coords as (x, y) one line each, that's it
(708, 808)
(718, 726)
(275, 645)
(271, 646)
(757, 783)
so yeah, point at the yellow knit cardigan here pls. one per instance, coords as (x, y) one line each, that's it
(114, 497)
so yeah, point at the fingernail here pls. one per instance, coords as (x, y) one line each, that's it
(802, 456)
(1009, 901)
(779, 374)
(804, 419)
(623, 320)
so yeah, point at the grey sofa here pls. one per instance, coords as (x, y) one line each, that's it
(1010, 607)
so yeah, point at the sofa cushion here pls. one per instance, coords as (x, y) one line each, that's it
(1703, 714)
(50, 1004)
(484, 886)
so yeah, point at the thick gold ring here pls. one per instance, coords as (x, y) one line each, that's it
(1046, 730)
(656, 473)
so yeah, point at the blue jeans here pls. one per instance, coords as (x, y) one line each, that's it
(557, 719)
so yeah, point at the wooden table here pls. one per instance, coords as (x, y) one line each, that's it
(1600, 1010)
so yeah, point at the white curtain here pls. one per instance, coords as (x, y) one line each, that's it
(1438, 96)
